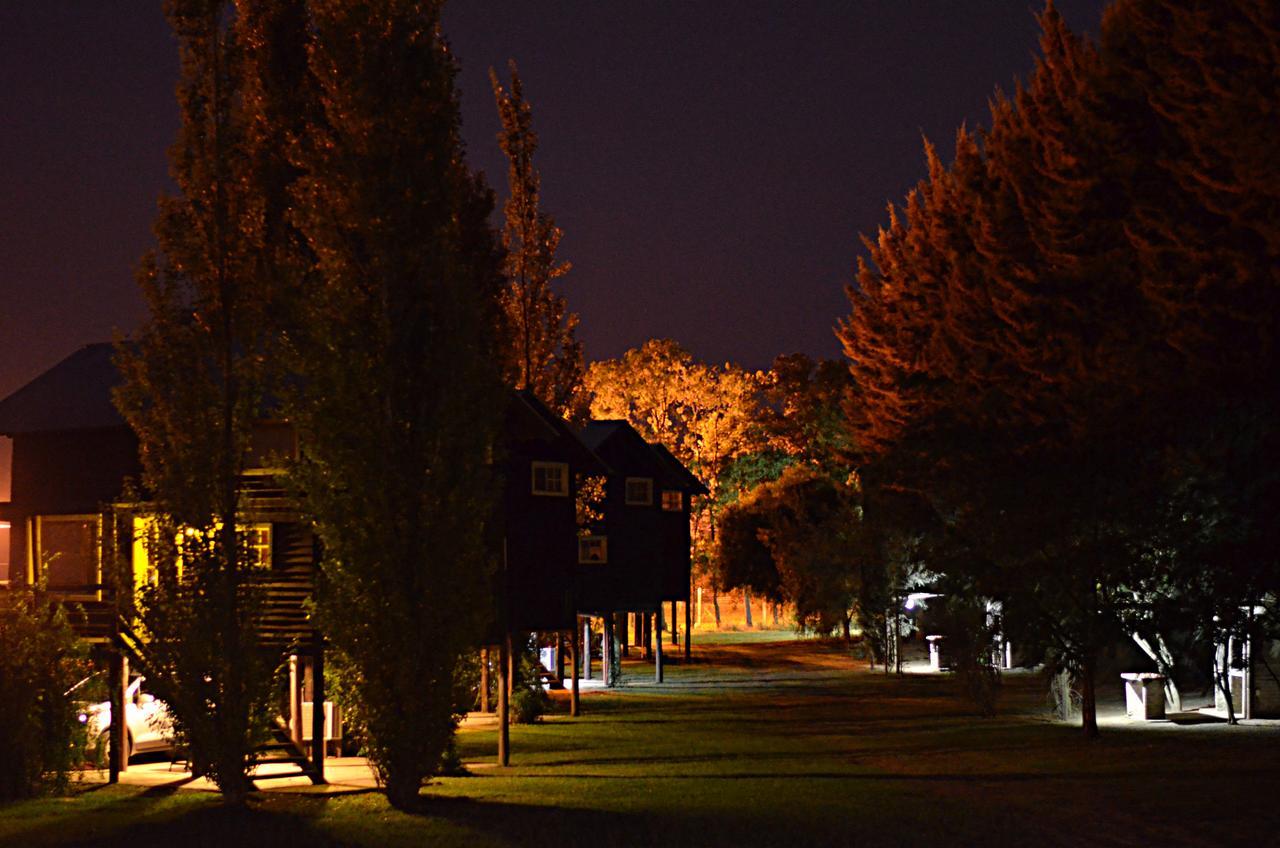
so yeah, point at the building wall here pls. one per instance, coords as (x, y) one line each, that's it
(65, 473)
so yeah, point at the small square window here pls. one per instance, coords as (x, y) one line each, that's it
(672, 500)
(593, 550)
(551, 478)
(639, 491)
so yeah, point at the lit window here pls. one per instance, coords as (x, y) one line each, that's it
(639, 491)
(255, 537)
(551, 478)
(66, 548)
(258, 540)
(672, 500)
(593, 550)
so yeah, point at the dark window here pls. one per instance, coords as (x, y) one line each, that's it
(593, 550)
(551, 478)
(68, 550)
(639, 491)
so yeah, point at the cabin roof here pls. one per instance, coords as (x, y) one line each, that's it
(75, 394)
(529, 419)
(690, 483)
(618, 443)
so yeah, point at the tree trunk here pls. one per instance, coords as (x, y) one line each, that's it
(560, 658)
(775, 614)
(484, 680)
(698, 622)
(657, 644)
(402, 792)
(620, 632)
(504, 704)
(1089, 697)
(746, 604)
(715, 605)
(118, 682)
(688, 626)
(317, 714)
(586, 647)
(675, 631)
(1222, 679)
(607, 661)
(574, 663)
(848, 636)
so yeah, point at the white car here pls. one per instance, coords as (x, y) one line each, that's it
(150, 728)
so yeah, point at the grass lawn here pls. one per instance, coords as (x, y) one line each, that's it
(762, 743)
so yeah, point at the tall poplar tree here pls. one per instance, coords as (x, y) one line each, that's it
(193, 381)
(544, 354)
(398, 396)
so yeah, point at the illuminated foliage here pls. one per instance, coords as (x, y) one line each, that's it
(544, 354)
(707, 416)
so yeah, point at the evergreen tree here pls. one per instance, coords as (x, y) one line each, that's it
(545, 355)
(194, 379)
(398, 398)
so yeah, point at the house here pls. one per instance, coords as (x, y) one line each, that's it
(637, 555)
(71, 528)
(70, 524)
(542, 461)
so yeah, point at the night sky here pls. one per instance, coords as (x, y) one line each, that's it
(711, 163)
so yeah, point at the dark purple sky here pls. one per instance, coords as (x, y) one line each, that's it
(711, 163)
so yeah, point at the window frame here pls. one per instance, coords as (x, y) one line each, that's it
(540, 465)
(679, 500)
(626, 491)
(604, 549)
(36, 551)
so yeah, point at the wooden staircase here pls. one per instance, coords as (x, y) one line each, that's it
(282, 750)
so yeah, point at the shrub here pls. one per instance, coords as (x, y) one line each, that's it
(41, 659)
(528, 705)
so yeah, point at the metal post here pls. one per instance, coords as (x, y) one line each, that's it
(586, 647)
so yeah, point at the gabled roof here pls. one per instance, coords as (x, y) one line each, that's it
(691, 484)
(626, 451)
(75, 394)
(529, 419)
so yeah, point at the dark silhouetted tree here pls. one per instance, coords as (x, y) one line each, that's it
(399, 395)
(195, 376)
